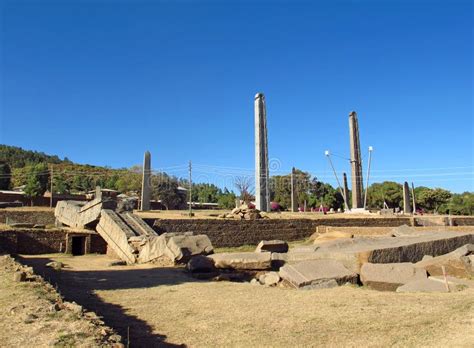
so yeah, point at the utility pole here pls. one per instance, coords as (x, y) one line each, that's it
(413, 197)
(51, 188)
(346, 205)
(190, 190)
(368, 174)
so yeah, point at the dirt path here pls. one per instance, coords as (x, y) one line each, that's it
(162, 306)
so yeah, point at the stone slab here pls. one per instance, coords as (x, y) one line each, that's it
(399, 249)
(182, 248)
(423, 285)
(314, 272)
(389, 276)
(175, 247)
(455, 263)
(116, 234)
(455, 281)
(244, 260)
(332, 235)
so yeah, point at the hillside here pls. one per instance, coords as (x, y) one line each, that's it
(17, 157)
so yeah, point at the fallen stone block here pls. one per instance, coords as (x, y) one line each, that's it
(116, 233)
(56, 265)
(269, 279)
(273, 246)
(19, 276)
(175, 247)
(389, 276)
(426, 285)
(324, 284)
(330, 236)
(349, 260)
(463, 283)
(244, 260)
(200, 264)
(312, 273)
(405, 231)
(182, 248)
(456, 263)
(400, 249)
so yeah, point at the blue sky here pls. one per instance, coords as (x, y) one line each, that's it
(102, 81)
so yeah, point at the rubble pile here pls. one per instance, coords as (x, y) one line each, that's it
(244, 212)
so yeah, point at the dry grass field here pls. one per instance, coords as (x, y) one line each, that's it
(27, 317)
(165, 307)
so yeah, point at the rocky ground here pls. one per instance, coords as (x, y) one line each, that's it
(164, 306)
(34, 314)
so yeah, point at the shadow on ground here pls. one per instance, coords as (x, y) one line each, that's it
(80, 286)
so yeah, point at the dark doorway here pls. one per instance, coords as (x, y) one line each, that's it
(78, 245)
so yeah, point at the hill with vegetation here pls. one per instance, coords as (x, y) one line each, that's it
(34, 170)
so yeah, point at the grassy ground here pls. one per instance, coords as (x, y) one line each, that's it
(28, 318)
(163, 306)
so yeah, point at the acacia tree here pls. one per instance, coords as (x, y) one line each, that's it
(431, 199)
(243, 184)
(165, 189)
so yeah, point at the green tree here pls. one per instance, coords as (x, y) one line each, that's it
(60, 184)
(129, 180)
(280, 188)
(5, 176)
(388, 191)
(37, 181)
(227, 199)
(205, 193)
(325, 194)
(431, 199)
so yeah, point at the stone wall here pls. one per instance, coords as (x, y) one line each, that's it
(43, 217)
(232, 233)
(35, 241)
(462, 220)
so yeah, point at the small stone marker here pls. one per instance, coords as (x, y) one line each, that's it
(273, 246)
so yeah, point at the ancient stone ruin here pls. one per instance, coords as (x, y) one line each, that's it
(403, 261)
(127, 235)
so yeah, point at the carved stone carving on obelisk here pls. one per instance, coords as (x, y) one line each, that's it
(294, 197)
(146, 187)
(356, 162)
(262, 192)
(406, 199)
(346, 191)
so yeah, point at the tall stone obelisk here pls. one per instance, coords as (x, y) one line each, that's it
(346, 192)
(356, 162)
(146, 187)
(262, 193)
(294, 197)
(406, 199)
